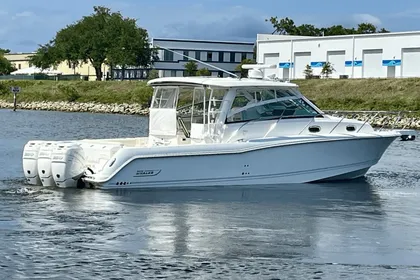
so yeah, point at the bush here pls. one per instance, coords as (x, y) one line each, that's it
(70, 93)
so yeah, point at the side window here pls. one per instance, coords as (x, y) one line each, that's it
(165, 97)
(267, 104)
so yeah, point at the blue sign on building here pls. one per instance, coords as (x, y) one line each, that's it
(393, 62)
(357, 63)
(317, 64)
(286, 65)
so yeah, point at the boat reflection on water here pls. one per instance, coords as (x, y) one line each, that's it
(266, 222)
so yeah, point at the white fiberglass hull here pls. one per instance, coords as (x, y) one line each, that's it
(250, 163)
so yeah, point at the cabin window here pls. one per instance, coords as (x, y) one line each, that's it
(165, 97)
(266, 104)
(351, 128)
(314, 129)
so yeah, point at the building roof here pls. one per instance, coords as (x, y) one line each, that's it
(219, 82)
(203, 41)
(279, 38)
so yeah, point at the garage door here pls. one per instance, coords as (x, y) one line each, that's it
(410, 62)
(301, 60)
(338, 61)
(372, 64)
(271, 59)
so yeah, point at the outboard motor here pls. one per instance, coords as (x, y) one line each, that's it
(68, 164)
(44, 163)
(30, 162)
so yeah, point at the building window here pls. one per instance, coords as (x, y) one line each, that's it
(209, 56)
(243, 56)
(197, 55)
(221, 56)
(168, 56)
(173, 73)
(232, 57)
(186, 53)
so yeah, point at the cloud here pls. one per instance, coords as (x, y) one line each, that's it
(27, 43)
(25, 14)
(236, 23)
(368, 18)
(414, 13)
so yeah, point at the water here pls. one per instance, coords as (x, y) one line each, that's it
(365, 229)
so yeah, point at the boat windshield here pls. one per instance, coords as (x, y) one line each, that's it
(269, 103)
(195, 103)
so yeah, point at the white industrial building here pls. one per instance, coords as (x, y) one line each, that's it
(381, 55)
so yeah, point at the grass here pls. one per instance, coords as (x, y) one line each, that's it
(364, 94)
(331, 94)
(79, 91)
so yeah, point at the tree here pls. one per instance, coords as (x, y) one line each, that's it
(190, 68)
(5, 65)
(103, 37)
(244, 72)
(153, 74)
(283, 26)
(366, 28)
(4, 51)
(308, 72)
(203, 72)
(327, 69)
(286, 26)
(45, 57)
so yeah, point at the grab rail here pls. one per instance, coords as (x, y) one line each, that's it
(183, 127)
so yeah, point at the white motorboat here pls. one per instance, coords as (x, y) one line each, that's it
(207, 131)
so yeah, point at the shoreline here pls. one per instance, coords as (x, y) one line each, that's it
(377, 119)
(78, 107)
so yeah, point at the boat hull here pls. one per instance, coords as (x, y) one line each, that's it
(279, 163)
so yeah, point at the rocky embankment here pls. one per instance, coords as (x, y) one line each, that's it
(383, 119)
(127, 109)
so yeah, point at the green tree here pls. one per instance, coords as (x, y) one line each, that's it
(45, 57)
(5, 65)
(190, 68)
(103, 37)
(308, 72)
(4, 51)
(286, 26)
(327, 69)
(366, 28)
(244, 72)
(203, 72)
(153, 74)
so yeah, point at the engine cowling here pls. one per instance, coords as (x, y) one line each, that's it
(68, 164)
(30, 162)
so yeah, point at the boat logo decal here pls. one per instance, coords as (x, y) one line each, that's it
(146, 173)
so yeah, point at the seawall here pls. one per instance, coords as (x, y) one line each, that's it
(126, 109)
(377, 119)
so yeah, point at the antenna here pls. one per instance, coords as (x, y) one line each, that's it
(254, 70)
(199, 61)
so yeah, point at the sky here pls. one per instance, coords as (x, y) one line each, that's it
(25, 24)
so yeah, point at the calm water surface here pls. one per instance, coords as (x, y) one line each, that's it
(365, 229)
